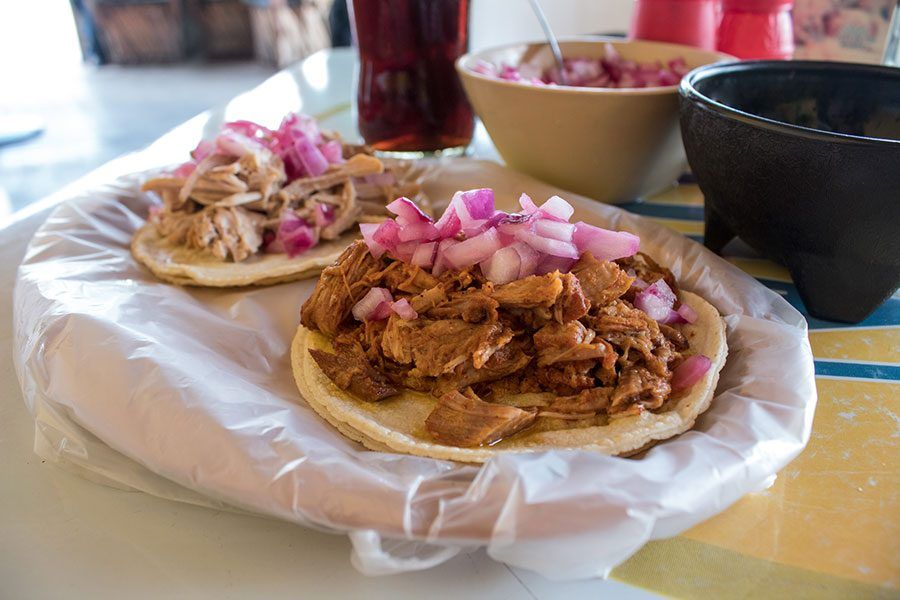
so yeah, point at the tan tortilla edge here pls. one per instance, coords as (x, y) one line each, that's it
(397, 423)
(182, 266)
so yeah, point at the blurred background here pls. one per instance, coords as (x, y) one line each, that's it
(88, 80)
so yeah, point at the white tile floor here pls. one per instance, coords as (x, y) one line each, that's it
(91, 114)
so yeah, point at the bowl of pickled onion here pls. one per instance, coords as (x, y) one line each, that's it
(606, 128)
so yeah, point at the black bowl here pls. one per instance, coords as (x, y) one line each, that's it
(801, 160)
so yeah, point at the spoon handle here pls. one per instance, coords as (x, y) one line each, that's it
(551, 39)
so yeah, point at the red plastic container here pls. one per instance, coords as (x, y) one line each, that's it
(757, 29)
(690, 22)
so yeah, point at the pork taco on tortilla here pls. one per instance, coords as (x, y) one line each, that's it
(259, 206)
(487, 332)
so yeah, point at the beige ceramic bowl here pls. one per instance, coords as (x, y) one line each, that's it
(609, 144)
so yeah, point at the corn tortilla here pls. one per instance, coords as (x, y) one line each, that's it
(177, 264)
(398, 423)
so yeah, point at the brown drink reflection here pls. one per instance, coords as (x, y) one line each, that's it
(409, 97)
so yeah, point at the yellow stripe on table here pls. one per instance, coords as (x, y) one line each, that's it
(761, 268)
(332, 111)
(847, 469)
(681, 225)
(687, 194)
(871, 344)
(684, 568)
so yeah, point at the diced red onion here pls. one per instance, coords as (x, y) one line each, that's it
(440, 262)
(421, 232)
(672, 318)
(611, 54)
(474, 227)
(657, 301)
(492, 223)
(407, 211)
(527, 204)
(388, 234)
(548, 246)
(610, 71)
(234, 144)
(309, 157)
(503, 266)
(204, 148)
(293, 236)
(299, 143)
(654, 306)
(689, 372)
(297, 124)
(368, 232)
(684, 314)
(323, 214)
(485, 68)
(414, 224)
(474, 208)
(368, 306)
(687, 313)
(604, 244)
(299, 241)
(505, 238)
(506, 246)
(661, 288)
(405, 251)
(332, 151)
(679, 66)
(528, 257)
(639, 283)
(473, 250)
(185, 169)
(512, 223)
(554, 229)
(548, 264)
(557, 208)
(249, 129)
(404, 309)
(479, 203)
(381, 312)
(449, 224)
(424, 255)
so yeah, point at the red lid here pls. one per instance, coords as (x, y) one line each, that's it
(757, 5)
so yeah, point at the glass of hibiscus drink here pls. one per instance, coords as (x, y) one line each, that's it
(409, 99)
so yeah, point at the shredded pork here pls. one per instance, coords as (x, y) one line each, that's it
(231, 207)
(573, 337)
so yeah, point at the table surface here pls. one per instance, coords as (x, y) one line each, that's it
(828, 527)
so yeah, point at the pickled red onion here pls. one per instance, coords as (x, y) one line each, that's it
(690, 372)
(372, 304)
(611, 71)
(506, 246)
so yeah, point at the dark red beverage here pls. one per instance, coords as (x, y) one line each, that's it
(409, 97)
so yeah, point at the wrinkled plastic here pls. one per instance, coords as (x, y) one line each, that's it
(187, 394)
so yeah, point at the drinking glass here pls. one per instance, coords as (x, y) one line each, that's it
(409, 100)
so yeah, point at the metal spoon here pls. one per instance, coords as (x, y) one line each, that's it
(551, 39)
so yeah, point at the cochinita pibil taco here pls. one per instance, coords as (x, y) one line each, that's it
(259, 206)
(487, 332)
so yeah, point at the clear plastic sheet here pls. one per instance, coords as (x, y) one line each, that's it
(187, 394)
